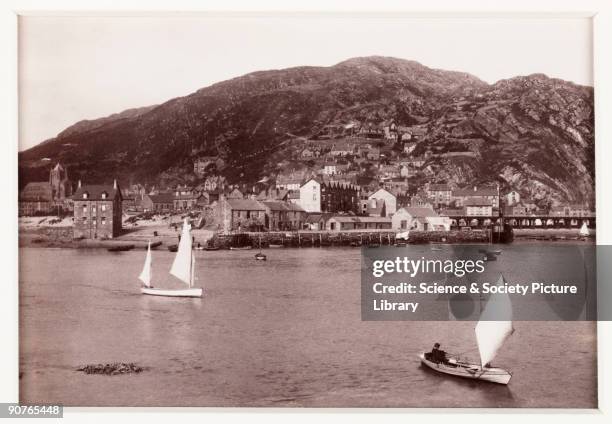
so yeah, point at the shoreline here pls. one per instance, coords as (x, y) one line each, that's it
(61, 237)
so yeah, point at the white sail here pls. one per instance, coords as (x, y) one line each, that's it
(146, 275)
(494, 326)
(181, 267)
(584, 231)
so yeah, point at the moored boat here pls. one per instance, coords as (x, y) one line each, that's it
(241, 247)
(121, 248)
(260, 256)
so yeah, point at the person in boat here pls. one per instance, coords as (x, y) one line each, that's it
(437, 355)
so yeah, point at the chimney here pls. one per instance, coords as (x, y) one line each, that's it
(79, 186)
(115, 184)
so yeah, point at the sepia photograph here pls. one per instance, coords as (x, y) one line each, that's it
(200, 194)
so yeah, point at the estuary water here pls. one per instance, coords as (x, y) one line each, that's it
(281, 333)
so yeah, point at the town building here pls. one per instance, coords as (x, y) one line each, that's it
(310, 196)
(97, 211)
(439, 194)
(241, 214)
(512, 198)
(188, 201)
(478, 206)
(374, 207)
(491, 194)
(205, 164)
(61, 188)
(516, 209)
(389, 198)
(214, 182)
(419, 218)
(315, 221)
(339, 197)
(36, 199)
(158, 203)
(277, 216)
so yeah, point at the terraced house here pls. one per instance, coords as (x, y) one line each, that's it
(97, 211)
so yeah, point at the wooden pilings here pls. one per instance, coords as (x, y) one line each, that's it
(341, 238)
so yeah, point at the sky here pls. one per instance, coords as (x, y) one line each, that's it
(74, 68)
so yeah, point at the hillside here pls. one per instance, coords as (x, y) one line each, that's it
(531, 133)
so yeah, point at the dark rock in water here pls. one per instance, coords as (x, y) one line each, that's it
(111, 369)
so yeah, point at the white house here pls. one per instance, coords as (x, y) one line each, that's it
(419, 218)
(389, 198)
(478, 206)
(330, 169)
(513, 198)
(310, 196)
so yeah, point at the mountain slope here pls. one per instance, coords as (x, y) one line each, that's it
(533, 133)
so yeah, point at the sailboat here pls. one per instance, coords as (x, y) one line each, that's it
(182, 268)
(491, 333)
(584, 231)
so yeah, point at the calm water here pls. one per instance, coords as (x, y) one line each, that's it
(286, 332)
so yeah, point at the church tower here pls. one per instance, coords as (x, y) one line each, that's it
(60, 184)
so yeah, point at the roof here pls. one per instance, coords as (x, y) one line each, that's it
(452, 212)
(419, 212)
(188, 196)
(379, 190)
(439, 187)
(245, 205)
(309, 180)
(275, 206)
(471, 192)
(345, 218)
(162, 198)
(477, 201)
(373, 219)
(313, 218)
(295, 208)
(36, 191)
(94, 192)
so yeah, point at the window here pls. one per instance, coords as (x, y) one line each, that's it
(85, 195)
(84, 219)
(104, 195)
(85, 209)
(103, 208)
(103, 220)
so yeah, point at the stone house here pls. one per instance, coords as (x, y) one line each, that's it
(97, 211)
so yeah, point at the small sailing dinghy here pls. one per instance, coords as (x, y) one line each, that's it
(491, 333)
(182, 268)
(584, 230)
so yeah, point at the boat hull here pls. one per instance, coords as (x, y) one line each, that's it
(470, 371)
(192, 292)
